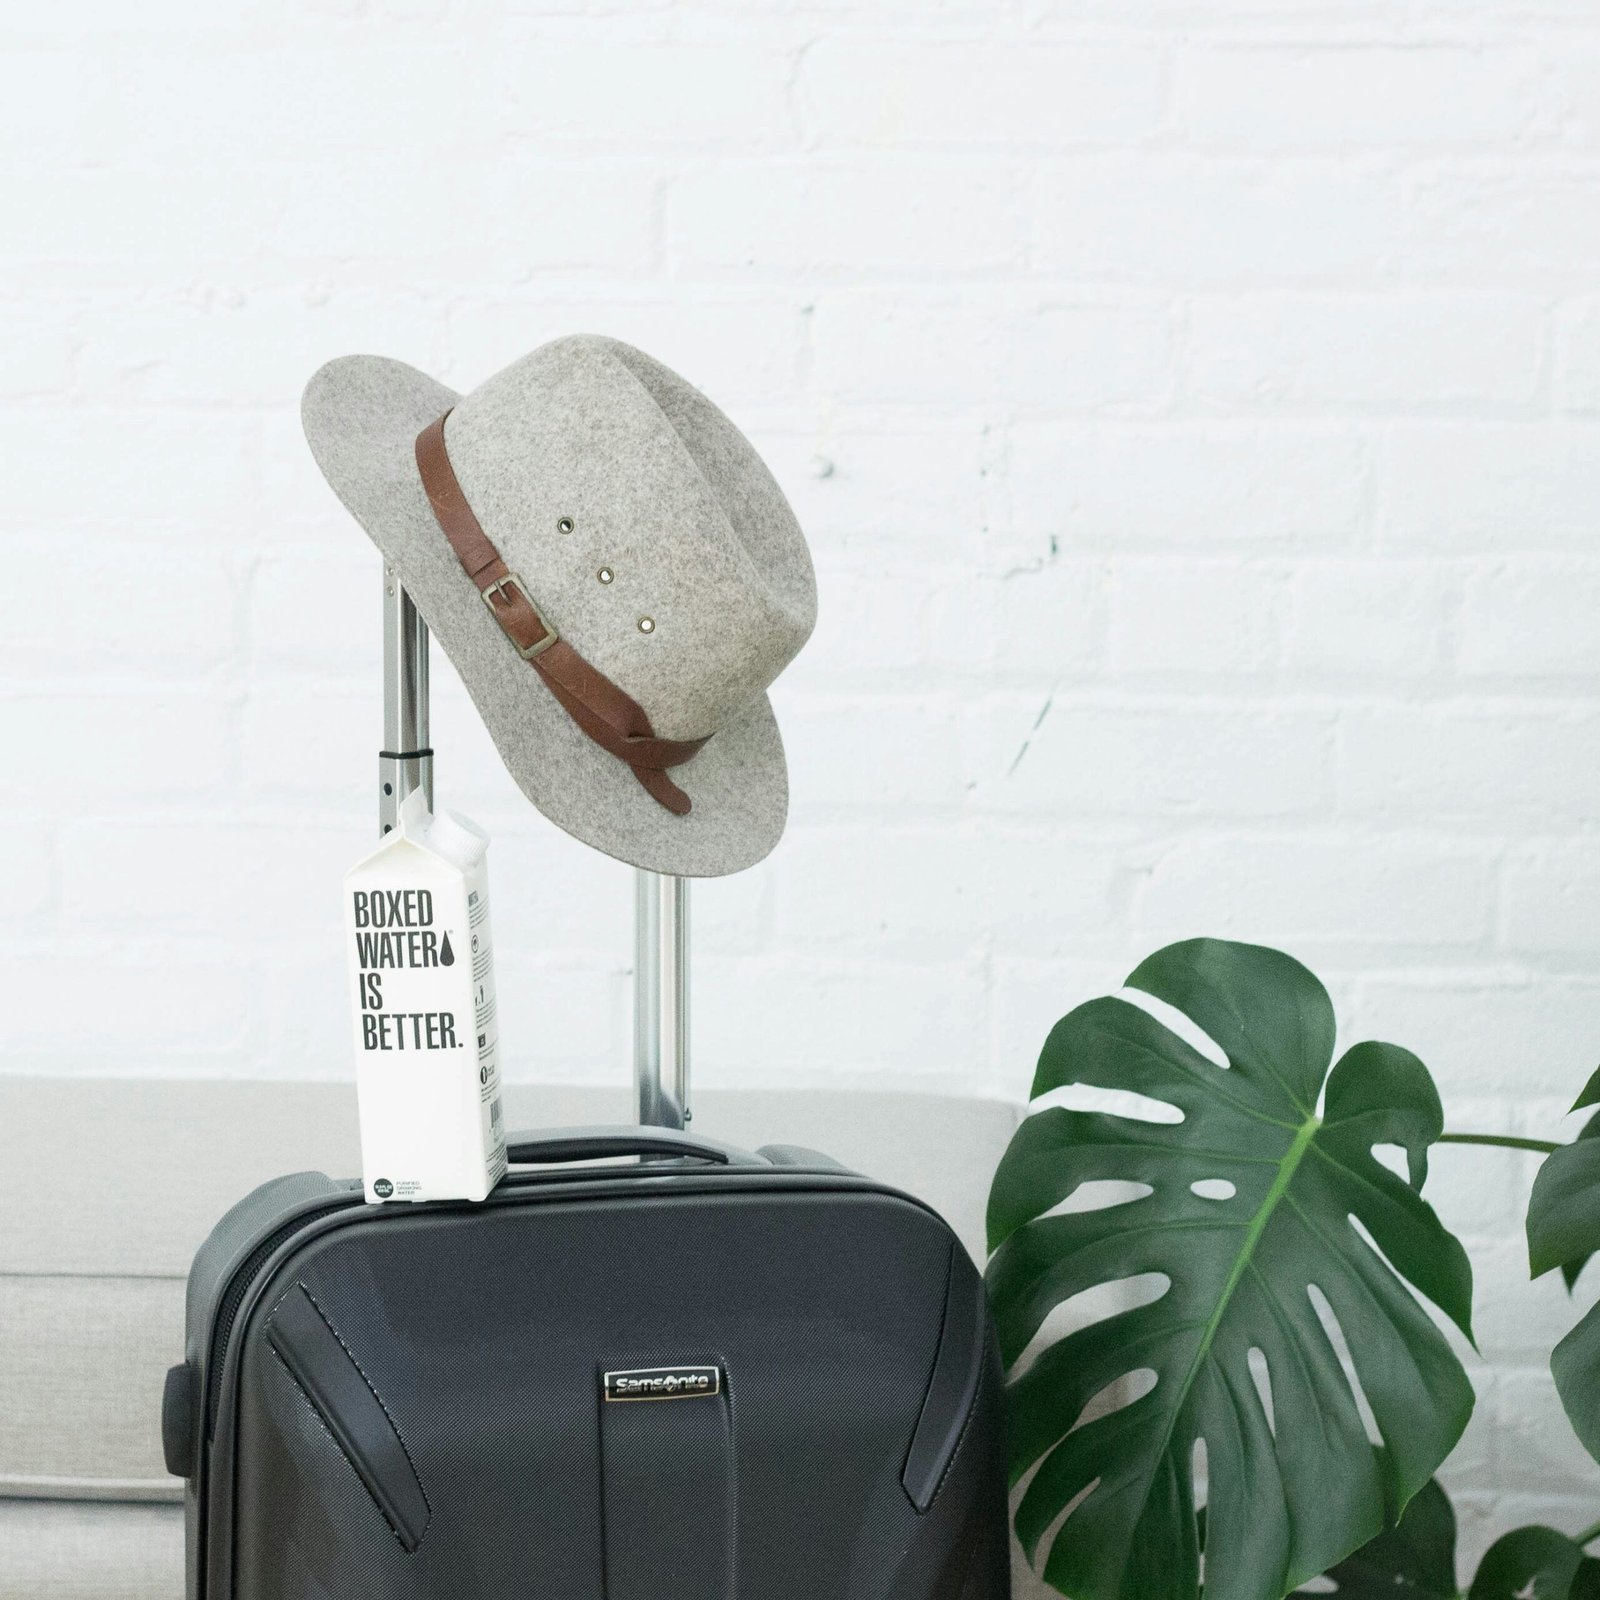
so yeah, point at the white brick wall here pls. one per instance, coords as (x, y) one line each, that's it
(1193, 406)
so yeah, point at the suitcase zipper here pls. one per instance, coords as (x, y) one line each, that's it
(238, 1288)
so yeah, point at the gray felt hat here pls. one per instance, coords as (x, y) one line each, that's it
(651, 537)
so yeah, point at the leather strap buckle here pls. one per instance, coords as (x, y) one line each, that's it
(500, 586)
(599, 708)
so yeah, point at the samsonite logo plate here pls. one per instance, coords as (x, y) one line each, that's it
(663, 1383)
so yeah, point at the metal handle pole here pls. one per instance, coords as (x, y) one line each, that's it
(661, 924)
(661, 999)
(405, 762)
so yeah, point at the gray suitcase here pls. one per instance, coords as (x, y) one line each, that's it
(649, 1367)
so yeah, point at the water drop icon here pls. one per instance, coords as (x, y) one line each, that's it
(447, 956)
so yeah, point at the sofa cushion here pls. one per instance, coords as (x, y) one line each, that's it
(110, 1186)
(82, 1360)
(77, 1550)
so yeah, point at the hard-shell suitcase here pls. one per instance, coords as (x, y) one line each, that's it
(692, 1373)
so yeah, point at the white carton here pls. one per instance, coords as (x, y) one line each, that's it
(422, 997)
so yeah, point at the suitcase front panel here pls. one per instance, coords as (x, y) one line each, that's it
(617, 1398)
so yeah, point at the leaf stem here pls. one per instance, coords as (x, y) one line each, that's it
(1504, 1141)
(1589, 1536)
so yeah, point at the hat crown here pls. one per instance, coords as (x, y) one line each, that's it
(649, 532)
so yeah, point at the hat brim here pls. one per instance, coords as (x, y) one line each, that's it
(362, 415)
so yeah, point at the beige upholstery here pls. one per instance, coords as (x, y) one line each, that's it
(85, 1550)
(106, 1190)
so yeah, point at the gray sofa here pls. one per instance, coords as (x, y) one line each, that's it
(106, 1189)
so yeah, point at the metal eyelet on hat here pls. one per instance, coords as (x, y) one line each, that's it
(647, 624)
(605, 575)
(564, 525)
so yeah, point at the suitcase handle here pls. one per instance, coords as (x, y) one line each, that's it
(661, 909)
(594, 1144)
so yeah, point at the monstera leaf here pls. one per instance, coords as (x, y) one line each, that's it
(1536, 1564)
(1413, 1560)
(1564, 1231)
(1292, 1482)
(1416, 1560)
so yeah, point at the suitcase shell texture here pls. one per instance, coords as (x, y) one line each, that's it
(676, 1379)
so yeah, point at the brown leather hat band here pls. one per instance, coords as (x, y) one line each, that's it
(606, 713)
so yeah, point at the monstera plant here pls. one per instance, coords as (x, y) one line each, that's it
(1289, 1260)
(1564, 1231)
(1416, 1560)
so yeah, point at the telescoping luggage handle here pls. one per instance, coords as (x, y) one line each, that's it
(661, 901)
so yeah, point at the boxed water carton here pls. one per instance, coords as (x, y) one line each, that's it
(422, 994)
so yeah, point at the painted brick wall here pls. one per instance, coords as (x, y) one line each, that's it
(1195, 409)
